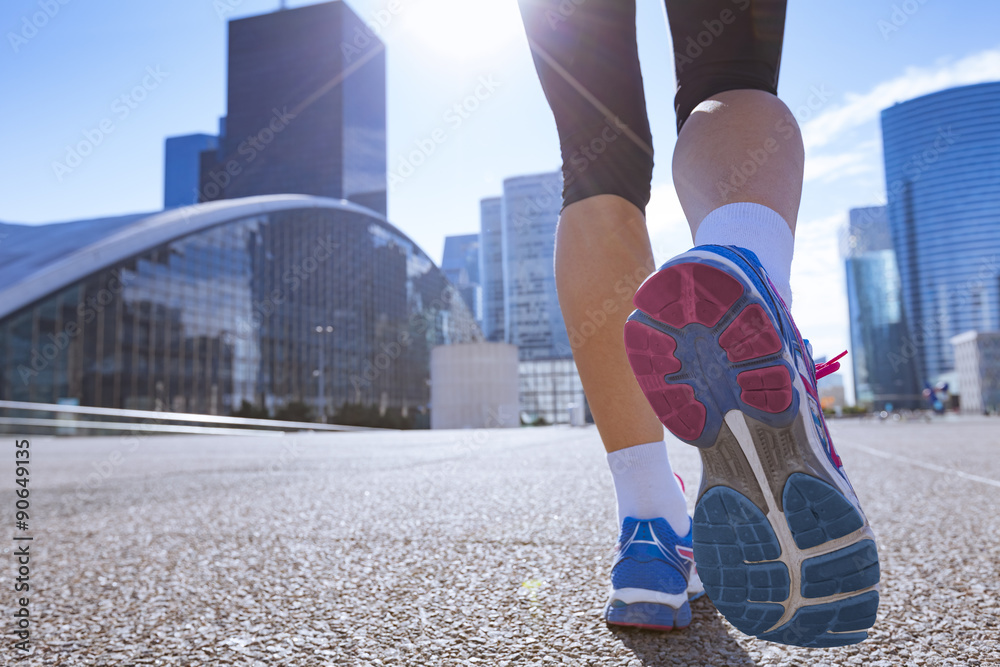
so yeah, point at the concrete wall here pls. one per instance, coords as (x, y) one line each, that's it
(474, 385)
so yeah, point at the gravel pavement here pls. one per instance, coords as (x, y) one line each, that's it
(448, 548)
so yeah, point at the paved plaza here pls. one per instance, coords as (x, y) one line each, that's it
(448, 548)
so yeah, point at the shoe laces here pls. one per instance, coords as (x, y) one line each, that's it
(829, 367)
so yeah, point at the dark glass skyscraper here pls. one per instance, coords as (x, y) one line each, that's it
(883, 373)
(942, 170)
(306, 108)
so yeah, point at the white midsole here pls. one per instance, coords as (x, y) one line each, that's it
(633, 595)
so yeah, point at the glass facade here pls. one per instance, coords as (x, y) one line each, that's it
(182, 166)
(491, 267)
(532, 318)
(460, 265)
(547, 389)
(230, 313)
(882, 373)
(306, 108)
(942, 168)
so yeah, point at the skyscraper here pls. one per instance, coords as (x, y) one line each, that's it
(942, 169)
(460, 265)
(306, 107)
(517, 245)
(181, 167)
(491, 267)
(882, 371)
(532, 318)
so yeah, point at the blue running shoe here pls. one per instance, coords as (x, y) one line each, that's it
(781, 543)
(653, 577)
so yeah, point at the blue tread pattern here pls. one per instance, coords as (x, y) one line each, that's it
(816, 511)
(852, 568)
(737, 555)
(731, 536)
(810, 626)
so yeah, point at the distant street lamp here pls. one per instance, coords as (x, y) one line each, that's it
(320, 372)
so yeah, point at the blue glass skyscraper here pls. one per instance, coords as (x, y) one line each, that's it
(882, 374)
(460, 265)
(532, 317)
(181, 164)
(942, 168)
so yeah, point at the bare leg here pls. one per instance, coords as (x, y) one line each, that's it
(603, 250)
(751, 132)
(602, 255)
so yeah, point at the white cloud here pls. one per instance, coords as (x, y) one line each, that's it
(819, 299)
(914, 82)
(669, 232)
(850, 163)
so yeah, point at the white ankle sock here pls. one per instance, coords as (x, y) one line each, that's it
(646, 486)
(758, 229)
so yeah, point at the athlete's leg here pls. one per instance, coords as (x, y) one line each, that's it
(587, 61)
(588, 65)
(739, 146)
(737, 141)
(780, 539)
(602, 255)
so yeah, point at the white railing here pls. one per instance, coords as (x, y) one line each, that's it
(151, 421)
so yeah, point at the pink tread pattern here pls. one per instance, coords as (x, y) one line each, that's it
(651, 355)
(687, 293)
(750, 335)
(767, 389)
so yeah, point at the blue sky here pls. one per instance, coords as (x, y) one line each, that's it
(65, 65)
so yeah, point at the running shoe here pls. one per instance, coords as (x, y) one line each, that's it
(782, 545)
(653, 577)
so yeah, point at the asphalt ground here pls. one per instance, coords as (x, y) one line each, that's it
(446, 548)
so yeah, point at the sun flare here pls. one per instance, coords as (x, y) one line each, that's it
(465, 30)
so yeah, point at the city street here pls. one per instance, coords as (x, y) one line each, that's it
(447, 548)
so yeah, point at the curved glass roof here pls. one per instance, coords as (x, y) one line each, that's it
(36, 260)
